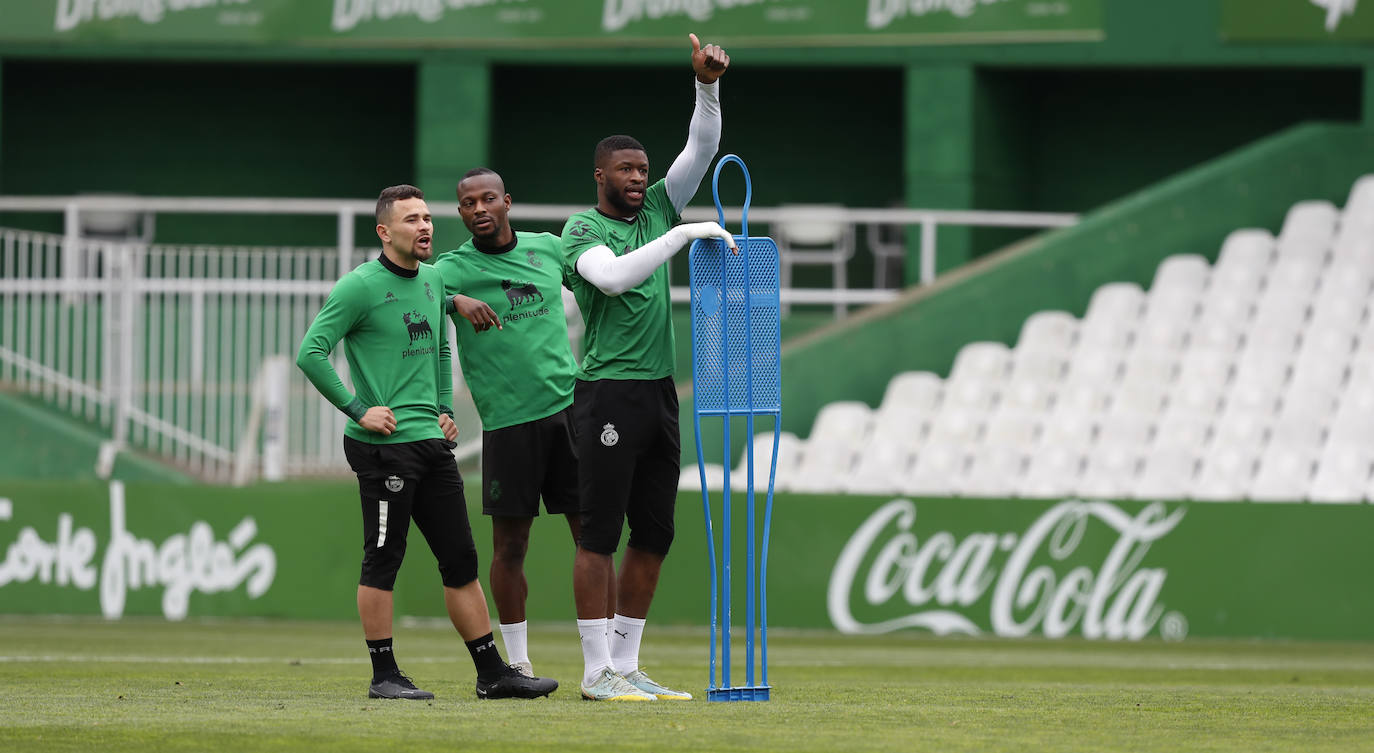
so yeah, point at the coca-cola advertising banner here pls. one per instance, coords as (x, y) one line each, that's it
(1097, 569)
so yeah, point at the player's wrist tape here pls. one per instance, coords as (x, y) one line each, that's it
(355, 409)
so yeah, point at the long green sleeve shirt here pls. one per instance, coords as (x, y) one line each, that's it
(392, 322)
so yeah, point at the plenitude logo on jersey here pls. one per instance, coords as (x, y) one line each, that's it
(520, 293)
(182, 564)
(417, 327)
(1039, 579)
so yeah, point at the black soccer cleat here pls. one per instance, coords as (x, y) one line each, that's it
(397, 685)
(511, 683)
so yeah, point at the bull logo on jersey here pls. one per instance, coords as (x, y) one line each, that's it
(518, 292)
(418, 326)
(579, 229)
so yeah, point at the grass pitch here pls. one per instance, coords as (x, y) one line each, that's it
(81, 685)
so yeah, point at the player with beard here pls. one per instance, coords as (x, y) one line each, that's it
(399, 441)
(520, 368)
(625, 402)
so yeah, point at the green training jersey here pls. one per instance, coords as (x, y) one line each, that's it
(524, 371)
(396, 345)
(629, 336)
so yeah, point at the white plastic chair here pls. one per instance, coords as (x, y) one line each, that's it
(1225, 474)
(1069, 427)
(1284, 474)
(1051, 471)
(981, 360)
(1215, 333)
(917, 391)
(1116, 302)
(1012, 428)
(1048, 330)
(1186, 273)
(1308, 229)
(1244, 259)
(1109, 473)
(1343, 473)
(1154, 365)
(690, 478)
(879, 473)
(845, 422)
(1095, 365)
(1125, 429)
(934, 472)
(992, 472)
(790, 453)
(955, 425)
(1165, 473)
(1167, 327)
(1139, 397)
(1197, 398)
(1205, 365)
(1240, 428)
(1182, 429)
(814, 234)
(1294, 275)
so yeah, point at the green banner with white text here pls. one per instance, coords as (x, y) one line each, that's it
(1067, 568)
(544, 23)
(1297, 20)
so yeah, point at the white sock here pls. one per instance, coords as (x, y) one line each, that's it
(625, 635)
(595, 653)
(515, 637)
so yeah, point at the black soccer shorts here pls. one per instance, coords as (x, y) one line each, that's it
(523, 462)
(629, 453)
(401, 482)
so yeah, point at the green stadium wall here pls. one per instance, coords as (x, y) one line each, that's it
(1124, 241)
(1054, 568)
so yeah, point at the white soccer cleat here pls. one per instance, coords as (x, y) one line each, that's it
(642, 681)
(610, 686)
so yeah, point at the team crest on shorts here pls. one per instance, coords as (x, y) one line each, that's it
(609, 436)
(394, 483)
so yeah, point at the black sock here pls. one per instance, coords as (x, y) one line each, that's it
(383, 660)
(485, 657)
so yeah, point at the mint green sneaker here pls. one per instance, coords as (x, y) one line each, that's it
(610, 686)
(642, 681)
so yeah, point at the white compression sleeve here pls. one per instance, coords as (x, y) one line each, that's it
(614, 275)
(703, 138)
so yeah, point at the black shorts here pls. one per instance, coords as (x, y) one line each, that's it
(401, 482)
(629, 453)
(524, 462)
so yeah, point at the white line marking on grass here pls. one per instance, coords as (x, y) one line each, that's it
(130, 659)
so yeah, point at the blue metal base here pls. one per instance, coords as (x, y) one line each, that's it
(756, 693)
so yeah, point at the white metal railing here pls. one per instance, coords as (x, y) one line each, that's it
(169, 346)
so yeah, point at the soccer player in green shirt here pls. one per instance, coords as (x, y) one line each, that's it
(520, 368)
(625, 403)
(399, 441)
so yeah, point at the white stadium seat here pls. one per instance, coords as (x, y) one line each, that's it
(935, 470)
(1284, 475)
(1181, 272)
(917, 391)
(1115, 302)
(1052, 471)
(981, 360)
(993, 471)
(1012, 428)
(1342, 473)
(1166, 473)
(1224, 474)
(1048, 330)
(1309, 229)
(1183, 428)
(1244, 258)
